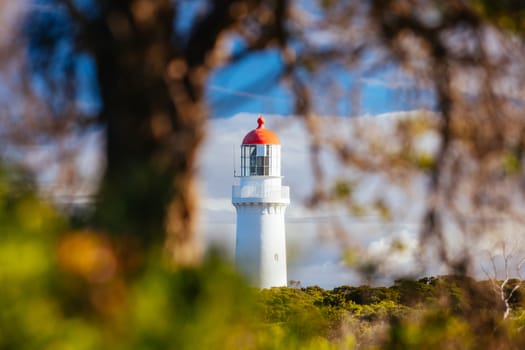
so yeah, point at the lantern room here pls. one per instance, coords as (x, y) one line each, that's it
(260, 152)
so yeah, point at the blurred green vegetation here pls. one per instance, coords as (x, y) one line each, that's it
(65, 288)
(507, 14)
(70, 288)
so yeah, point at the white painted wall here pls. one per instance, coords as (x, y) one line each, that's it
(260, 247)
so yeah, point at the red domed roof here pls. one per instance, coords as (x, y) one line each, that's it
(261, 136)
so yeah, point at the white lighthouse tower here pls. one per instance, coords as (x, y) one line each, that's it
(260, 201)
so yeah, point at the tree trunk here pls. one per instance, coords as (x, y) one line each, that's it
(153, 128)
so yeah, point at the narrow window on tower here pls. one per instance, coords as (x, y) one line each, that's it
(253, 165)
(260, 165)
(247, 151)
(259, 160)
(243, 161)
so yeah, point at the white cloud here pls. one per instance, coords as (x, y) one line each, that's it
(396, 254)
(318, 238)
(315, 244)
(217, 204)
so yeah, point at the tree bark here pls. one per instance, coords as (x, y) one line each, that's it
(153, 128)
(152, 90)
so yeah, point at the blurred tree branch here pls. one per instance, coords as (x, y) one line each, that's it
(503, 287)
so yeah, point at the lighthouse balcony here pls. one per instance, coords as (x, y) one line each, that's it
(260, 194)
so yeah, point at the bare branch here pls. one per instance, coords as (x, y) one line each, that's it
(75, 12)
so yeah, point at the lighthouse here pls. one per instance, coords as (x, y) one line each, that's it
(260, 200)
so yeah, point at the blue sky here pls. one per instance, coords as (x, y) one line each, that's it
(253, 85)
(250, 85)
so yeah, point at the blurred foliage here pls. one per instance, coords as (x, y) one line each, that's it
(65, 288)
(512, 163)
(507, 14)
(77, 289)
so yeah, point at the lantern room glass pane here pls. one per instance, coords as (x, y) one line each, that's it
(260, 160)
(248, 159)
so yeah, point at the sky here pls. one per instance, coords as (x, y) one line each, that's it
(315, 249)
(326, 245)
(252, 85)
(236, 94)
